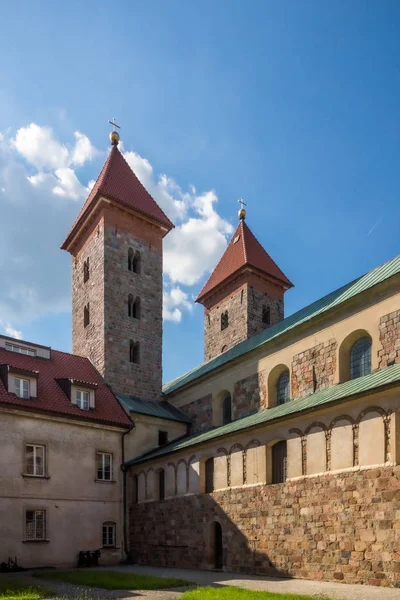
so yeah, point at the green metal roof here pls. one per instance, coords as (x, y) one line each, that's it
(390, 268)
(341, 391)
(153, 408)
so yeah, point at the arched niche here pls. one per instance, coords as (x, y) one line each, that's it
(316, 449)
(256, 463)
(273, 378)
(236, 460)
(141, 492)
(181, 477)
(170, 480)
(220, 407)
(345, 352)
(221, 469)
(342, 443)
(371, 437)
(194, 475)
(295, 453)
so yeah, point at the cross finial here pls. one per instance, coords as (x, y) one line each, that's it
(242, 211)
(114, 135)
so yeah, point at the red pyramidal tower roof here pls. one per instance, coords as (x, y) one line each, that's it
(118, 182)
(243, 250)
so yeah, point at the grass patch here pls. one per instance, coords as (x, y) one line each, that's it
(16, 590)
(113, 580)
(235, 593)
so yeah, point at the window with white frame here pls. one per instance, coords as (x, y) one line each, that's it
(20, 350)
(104, 466)
(82, 400)
(108, 537)
(35, 460)
(22, 387)
(35, 524)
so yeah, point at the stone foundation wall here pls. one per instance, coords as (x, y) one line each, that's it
(249, 396)
(314, 369)
(343, 527)
(389, 328)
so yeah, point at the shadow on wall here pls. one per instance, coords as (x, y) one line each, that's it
(195, 532)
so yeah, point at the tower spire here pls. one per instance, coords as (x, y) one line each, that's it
(114, 135)
(242, 211)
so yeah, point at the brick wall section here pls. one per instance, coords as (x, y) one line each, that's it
(342, 527)
(200, 411)
(106, 340)
(244, 306)
(249, 395)
(389, 329)
(314, 369)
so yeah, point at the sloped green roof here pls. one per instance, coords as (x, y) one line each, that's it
(340, 391)
(390, 268)
(153, 408)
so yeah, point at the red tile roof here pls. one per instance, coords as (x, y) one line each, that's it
(118, 182)
(243, 250)
(51, 398)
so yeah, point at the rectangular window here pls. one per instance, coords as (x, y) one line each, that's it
(20, 350)
(162, 438)
(35, 522)
(22, 387)
(82, 399)
(104, 466)
(35, 460)
(108, 534)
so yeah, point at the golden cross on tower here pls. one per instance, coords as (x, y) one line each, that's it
(242, 211)
(114, 135)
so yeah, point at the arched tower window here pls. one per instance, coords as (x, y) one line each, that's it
(209, 475)
(283, 388)
(130, 305)
(86, 270)
(86, 315)
(136, 262)
(136, 308)
(360, 358)
(134, 352)
(226, 409)
(130, 259)
(266, 315)
(224, 320)
(279, 462)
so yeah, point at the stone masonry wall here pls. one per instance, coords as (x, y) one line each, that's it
(200, 412)
(245, 310)
(389, 328)
(249, 396)
(314, 369)
(343, 527)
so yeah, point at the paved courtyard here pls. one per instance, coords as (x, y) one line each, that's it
(336, 591)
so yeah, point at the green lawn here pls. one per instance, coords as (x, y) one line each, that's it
(235, 593)
(113, 580)
(15, 590)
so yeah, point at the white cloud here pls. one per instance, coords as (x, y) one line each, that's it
(35, 275)
(10, 331)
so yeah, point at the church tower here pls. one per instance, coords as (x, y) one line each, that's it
(116, 248)
(243, 295)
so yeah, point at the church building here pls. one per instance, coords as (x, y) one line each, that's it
(278, 455)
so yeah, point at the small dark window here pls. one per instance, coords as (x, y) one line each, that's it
(134, 352)
(266, 315)
(136, 263)
(283, 388)
(136, 308)
(135, 489)
(162, 438)
(86, 270)
(86, 316)
(224, 320)
(227, 410)
(223, 349)
(279, 462)
(161, 484)
(360, 358)
(209, 475)
(130, 259)
(130, 305)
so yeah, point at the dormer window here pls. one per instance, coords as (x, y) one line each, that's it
(82, 400)
(22, 388)
(20, 349)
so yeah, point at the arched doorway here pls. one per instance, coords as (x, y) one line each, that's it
(218, 549)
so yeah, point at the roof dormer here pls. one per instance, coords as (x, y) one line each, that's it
(25, 348)
(81, 394)
(21, 382)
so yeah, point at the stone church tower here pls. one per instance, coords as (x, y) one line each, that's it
(116, 248)
(243, 295)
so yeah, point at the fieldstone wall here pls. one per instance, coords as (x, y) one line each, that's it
(389, 328)
(249, 395)
(200, 412)
(343, 527)
(314, 369)
(256, 301)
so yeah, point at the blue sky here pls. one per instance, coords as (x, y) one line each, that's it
(292, 105)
